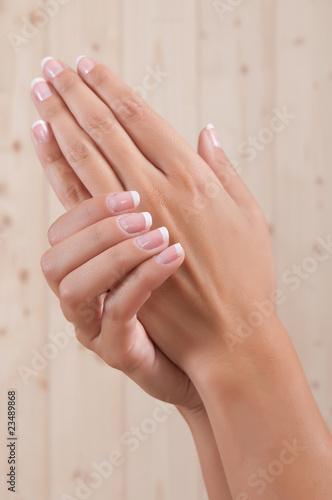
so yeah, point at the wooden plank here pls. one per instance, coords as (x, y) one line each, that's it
(303, 180)
(232, 71)
(22, 304)
(165, 463)
(86, 399)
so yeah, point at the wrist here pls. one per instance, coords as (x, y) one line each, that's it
(193, 416)
(231, 365)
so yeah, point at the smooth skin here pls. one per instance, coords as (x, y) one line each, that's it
(87, 229)
(250, 380)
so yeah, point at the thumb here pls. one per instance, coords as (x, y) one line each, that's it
(210, 149)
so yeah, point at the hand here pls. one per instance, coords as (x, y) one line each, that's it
(216, 290)
(72, 193)
(228, 268)
(103, 267)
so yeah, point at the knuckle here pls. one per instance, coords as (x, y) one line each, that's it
(52, 235)
(78, 152)
(73, 194)
(130, 106)
(66, 83)
(47, 264)
(100, 76)
(52, 157)
(256, 215)
(53, 106)
(66, 293)
(99, 125)
(99, 235)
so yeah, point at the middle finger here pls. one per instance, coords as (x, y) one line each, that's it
(98, 121)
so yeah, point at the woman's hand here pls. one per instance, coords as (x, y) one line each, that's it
(221, 317)
(103, 267)
(112, 139)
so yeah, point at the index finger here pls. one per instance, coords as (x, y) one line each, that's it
(156, 138)
(67, 186)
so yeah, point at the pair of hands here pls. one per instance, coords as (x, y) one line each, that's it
(102, 138)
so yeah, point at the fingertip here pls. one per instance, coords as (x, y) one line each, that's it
(136, 198)
(42, 131)
(171, 254)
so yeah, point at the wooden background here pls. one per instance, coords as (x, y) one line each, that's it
(234, 70)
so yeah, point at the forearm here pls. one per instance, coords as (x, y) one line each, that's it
(272, 439)
(210, 461)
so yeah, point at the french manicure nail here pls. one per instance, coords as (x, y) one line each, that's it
(135, 223)
(154, 239)
(170, 254)
(42, 131)
(85, 64)
(213, 135)
(122, 202)
(51, 67)
(41, 89)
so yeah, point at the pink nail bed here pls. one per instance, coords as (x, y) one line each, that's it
(135, 223)
(51, 67)
(122, 202)
(42, 131)
(154, 239)
(213, 135)
(85, 64)
(170, 254)
(41, 89)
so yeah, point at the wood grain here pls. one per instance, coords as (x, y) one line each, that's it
(237, 70)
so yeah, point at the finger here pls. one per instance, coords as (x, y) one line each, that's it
(123, 342)
(81, 247)
(132, 293)
(209, 148)
(78, 148)
(91, 211)
(67, 186)
(96, 118)
(81, 289)
(157, 140)
(118, 336)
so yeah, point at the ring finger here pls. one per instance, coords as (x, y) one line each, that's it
(81, 289)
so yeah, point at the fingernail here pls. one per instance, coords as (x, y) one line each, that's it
(170, 254)
(124, 201)
(41, 89)
(85, 64)
(135, 223)
(213, 135)
(154, 239)
(51, 67)
(42, 131)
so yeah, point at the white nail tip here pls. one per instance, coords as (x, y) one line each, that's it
(136, 198)
(48, 58)
(148, 219)
(36, 80)
(209, 126)
(164, 233)
(39, 122)
(178, 248)
(78, 59)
